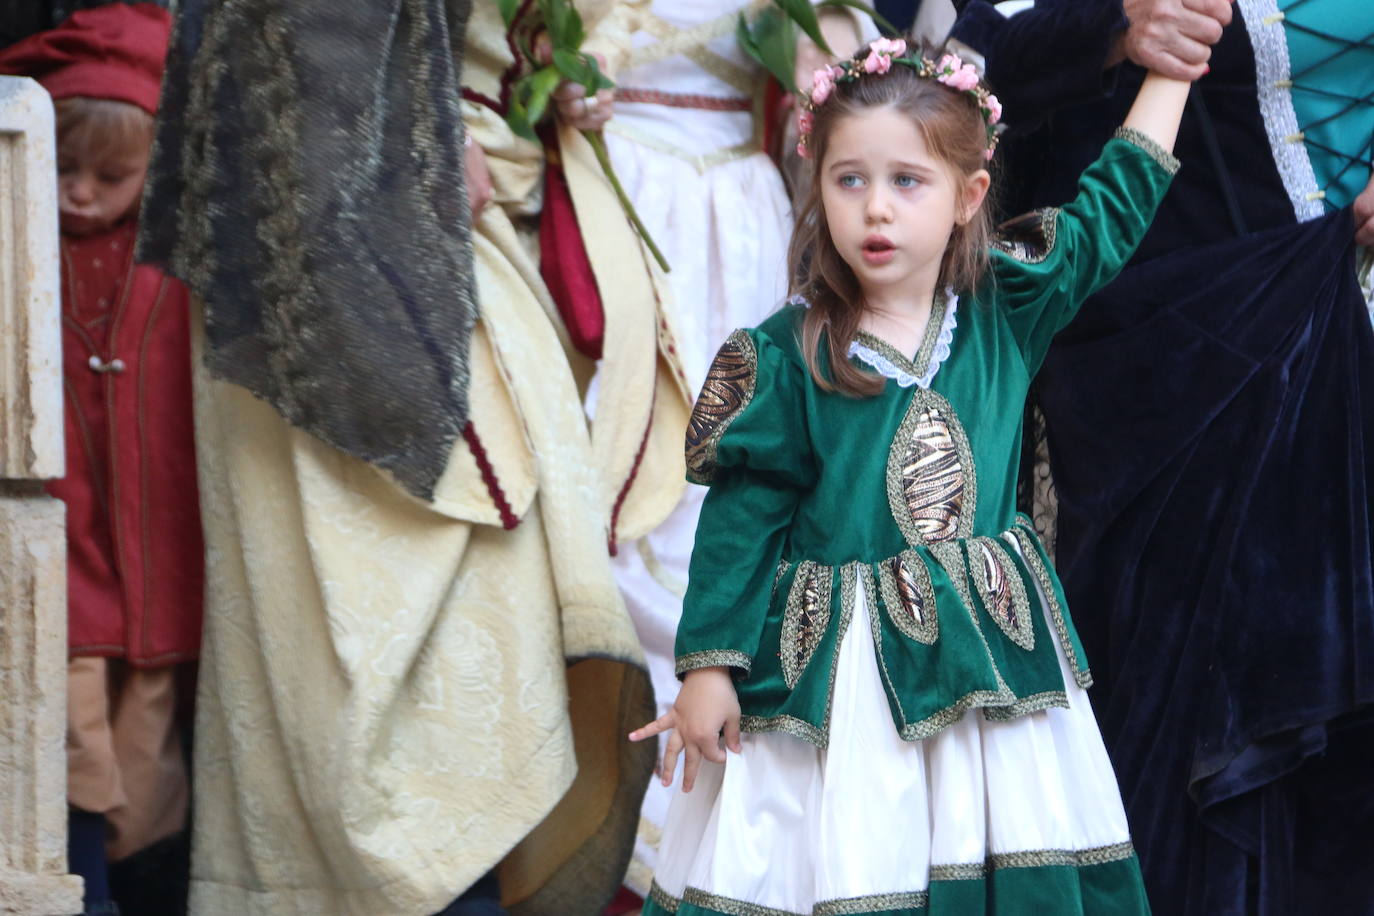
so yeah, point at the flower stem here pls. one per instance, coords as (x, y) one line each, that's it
(602, 156)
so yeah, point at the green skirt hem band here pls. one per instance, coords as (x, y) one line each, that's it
(1110, 888)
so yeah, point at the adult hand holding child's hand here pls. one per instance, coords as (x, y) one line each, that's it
(705, 706)
(1172, 37)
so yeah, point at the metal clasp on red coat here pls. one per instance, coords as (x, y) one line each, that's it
(115, 365)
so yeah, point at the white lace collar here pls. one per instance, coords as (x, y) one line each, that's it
(888, 362)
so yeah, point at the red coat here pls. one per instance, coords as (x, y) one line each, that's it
(135, 552)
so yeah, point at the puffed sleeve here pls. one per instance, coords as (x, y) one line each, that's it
(748, 441)
(1042, 277)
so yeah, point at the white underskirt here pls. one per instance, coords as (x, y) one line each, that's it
(786, 825)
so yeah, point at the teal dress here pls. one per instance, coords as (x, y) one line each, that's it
(899, 511)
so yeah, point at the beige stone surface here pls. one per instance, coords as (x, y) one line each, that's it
(33, 575)
(30, 286)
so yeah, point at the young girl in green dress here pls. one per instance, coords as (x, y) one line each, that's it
(876, 634)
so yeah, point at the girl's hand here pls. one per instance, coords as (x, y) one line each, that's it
(706, 704)
(1364, 216)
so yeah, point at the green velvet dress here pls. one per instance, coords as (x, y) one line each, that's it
(901, 505)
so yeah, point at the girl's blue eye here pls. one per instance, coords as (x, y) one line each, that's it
(851, 181)
(907, 181)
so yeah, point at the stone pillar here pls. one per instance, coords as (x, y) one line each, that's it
(33, 576)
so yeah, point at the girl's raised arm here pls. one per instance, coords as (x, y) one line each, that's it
(1158, 108)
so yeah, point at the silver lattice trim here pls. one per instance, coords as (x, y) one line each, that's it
(1273, 79)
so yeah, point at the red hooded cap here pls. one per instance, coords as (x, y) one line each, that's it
(114, 52)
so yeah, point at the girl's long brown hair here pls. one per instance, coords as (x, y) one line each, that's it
(954, 133)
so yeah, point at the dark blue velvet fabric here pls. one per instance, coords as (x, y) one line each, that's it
(1216, 497)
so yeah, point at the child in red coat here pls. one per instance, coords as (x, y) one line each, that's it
(135, 554)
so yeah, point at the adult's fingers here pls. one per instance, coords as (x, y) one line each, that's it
(670, 756)
(662, 724)
(1153, 55)
(1186, 50)
(1199, 28)
(690, 767)
(1166, 64)
(1220, 10)
(569, 90)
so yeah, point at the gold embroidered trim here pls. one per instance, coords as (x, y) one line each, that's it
(929, 338)
(805, 619)
(788, 725)
(727, 391)
(664, 899)
(1036, 702)
(1159, 154)
(713, 658)
(972, 872)
(873, 903)
(1026, 538)
(799, 728)
(1030, 237)
(879, 903)
(1040, 858)
(943, 719)
(783, 567)
(729, 905)
(951, 558)
(909, 597)
(932, 485)
(1003, 593)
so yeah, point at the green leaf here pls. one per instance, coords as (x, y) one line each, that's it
(573, 32)
(573, 67)
(746, 40)
(518, 118)
(867, 10)
(775, 35)
(541, 86)
(599, 79)
(555, 21)
(508, 10)
(804, 14)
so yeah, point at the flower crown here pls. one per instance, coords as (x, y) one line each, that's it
(882, 54)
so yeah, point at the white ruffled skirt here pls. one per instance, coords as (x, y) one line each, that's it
(875, 824)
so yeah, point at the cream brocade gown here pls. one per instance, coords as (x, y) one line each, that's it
(686, 143)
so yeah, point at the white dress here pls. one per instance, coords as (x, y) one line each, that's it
(773, 826)
(716, 206)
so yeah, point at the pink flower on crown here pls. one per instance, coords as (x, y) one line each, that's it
(994, 108)
(948, 64)
(805, 120)
(965, 78)
(822, 84)
(987, 154)
(877, 63)
(804, 152)
(880, 54)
